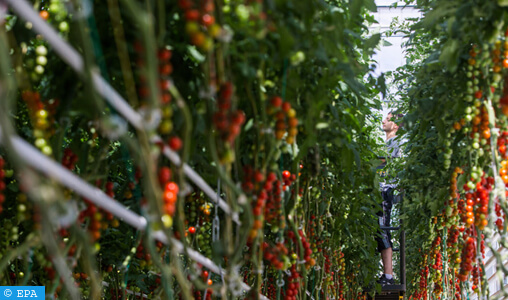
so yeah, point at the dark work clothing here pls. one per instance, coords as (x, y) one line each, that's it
(387, 187)
(393, 151)
(384, 237)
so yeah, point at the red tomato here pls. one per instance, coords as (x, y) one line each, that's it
(175, 143)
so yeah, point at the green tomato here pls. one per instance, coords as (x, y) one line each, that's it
(9, 173)
(21, 208)
(471, 185)
(39, 70)
(40, 142)
(242, 12)
(63, 26)
(297, 58)
(54, 8)
(41, 60)
(191, 28)
(41, 50)
(449, 211)
(47, 150)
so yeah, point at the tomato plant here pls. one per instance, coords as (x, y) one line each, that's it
(267, 101)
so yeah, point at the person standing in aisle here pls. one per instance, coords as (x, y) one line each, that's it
(384, 238)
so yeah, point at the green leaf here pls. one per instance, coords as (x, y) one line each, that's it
(355, 7)
(370, 5)
(386, 43)
(450, 54)
(373, 41)
(286, 41)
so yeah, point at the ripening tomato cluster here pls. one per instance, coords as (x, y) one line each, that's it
(56, 13)
(270, 290)
(453, 181)
(438, 258)
(328, 265)
(476, 274)
(170, 196)
(254, 183)
(145, 258)
(198, 295)
(276, 255)
(452, 245)
(421, 293)
(502, 140)
(273, 207)
(200, 23)
(227, 121)
(500, 217)
(503, 171)
(340, 274)
(287, 179)
(204, 238)
(95, 217)
(481, 130)
(307, 251)
(480, 200)
(165, 70)
(293, 285)
(39, 118)
(192, 201)
(468, 258)
(69, 159)
(456, 286)
(286, 121)
(37, 61)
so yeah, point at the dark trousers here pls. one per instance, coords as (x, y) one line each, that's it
(384, 237)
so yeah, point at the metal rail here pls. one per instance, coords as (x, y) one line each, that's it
(75, 61)
(49, 167)
(53, 170)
